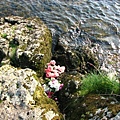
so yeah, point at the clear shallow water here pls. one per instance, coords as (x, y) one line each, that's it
(100, 18)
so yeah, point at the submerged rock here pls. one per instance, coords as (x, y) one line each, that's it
(22, 96)
(25, 43)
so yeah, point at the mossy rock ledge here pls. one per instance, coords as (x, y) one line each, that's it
(25, 43)
(96, 105)
(23, 98)
(91, 107)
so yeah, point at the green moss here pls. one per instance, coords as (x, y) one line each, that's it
(41, 99)
(99, 84)
(81, 108)
(114, 108)
(112, 62)
(23, 47)
(13, 52)
(13, 48)
(44, 118)
(4, 35)
(29, 27)
(0, 101)
(46, 51)
(95, 101)
(44, 102)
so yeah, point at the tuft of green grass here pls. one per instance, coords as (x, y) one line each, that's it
(99, 84)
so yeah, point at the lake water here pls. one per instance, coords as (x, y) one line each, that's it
(100, 18)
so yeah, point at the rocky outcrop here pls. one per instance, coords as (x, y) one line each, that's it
(89, 106)
(25, 43)
(92, 107)
(75, 51)
(23, 97)
(82, 52)
(25, 49)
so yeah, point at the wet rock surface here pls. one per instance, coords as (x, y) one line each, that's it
(81, 52)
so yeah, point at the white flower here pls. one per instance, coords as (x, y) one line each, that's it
(54, 84)
(46, 88)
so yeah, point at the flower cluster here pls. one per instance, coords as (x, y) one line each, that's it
(52, 72)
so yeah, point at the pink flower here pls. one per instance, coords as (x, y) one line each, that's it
(49, 93)
(49, 69)
(61, 86)
(52, 74)
(61, 69)
(55, 72)
(52, 62)
(49, 74)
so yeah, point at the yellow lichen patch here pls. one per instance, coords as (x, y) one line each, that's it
(114, 108)
(45, 103)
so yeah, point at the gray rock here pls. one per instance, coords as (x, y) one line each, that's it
(82, 52)
(26, 43)
(22, 97)
(117, 117)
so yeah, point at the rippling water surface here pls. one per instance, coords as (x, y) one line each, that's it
(100, 18)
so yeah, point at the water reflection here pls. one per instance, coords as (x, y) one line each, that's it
(100, 18)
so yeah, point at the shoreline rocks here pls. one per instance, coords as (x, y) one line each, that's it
(22, 96)
(81, 52)
(25, 43)
(25, 48)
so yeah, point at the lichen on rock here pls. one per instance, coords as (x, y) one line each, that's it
(92, 107)
(25, 42)
(23, 97)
